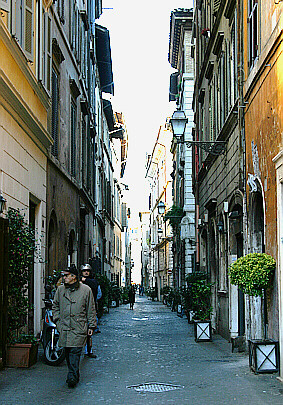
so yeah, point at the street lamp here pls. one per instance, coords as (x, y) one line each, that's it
(2, 204)
(178, 122)
(161, 208)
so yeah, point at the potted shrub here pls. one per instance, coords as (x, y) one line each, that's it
(198, 295)
(21, 346)
(164, 292)
(253, 274)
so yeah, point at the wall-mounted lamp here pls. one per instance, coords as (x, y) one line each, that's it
(161, 208)
(2, 203)
(220, 227)
(178, 123)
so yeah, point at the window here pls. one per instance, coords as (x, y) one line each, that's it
(234, 77)
(211, 111)
(84, 152)
(61, 10)
(55, 113)
(22, 25)
(45, 52)
(73, 138)
(252, 32)
(222, 89)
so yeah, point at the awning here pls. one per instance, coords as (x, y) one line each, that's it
(104, 61)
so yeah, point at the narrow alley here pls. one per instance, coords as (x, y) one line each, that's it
(146, 356)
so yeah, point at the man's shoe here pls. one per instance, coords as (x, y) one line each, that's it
(72, 383)
(91, 355)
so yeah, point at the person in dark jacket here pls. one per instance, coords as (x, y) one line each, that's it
(87, 279)
(132, 296)
(75, 316)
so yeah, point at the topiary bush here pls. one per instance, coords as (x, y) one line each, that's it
(253, 273)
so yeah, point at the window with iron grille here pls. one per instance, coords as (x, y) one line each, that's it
(73, 138)
(55, 113)
(252, 32)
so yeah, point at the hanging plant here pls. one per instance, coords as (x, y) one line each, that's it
(253, 273)
(174, 215)
(22, 247)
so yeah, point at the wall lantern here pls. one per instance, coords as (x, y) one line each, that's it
(161, 208)
(2, 203)
(220, 227)
(178, 123)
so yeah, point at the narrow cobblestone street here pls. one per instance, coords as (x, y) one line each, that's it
(147, 345)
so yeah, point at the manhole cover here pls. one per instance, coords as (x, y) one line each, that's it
(154, 387)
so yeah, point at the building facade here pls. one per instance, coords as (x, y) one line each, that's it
(181, 91)
(158, 169)
(25, 141)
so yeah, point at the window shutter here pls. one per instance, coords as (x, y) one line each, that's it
(73, 139)
(17, 21)
(55, 102)
(84, 171)
(48, 52)
(77, 33)
(216, 5)
(28, 29)
(5, 5)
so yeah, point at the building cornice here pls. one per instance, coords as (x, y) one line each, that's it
(12, 100)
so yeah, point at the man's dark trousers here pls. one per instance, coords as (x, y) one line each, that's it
(73, 355)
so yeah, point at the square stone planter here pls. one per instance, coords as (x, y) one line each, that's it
(263, 356)
(202, 331)
(21, 355)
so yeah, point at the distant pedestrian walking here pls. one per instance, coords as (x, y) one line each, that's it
(75, 316)
(132, 296)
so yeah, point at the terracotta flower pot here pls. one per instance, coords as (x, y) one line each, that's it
(21, 354)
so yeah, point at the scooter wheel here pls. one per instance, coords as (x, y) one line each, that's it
(55, 356)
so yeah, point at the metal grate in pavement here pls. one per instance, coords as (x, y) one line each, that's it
(154, 387)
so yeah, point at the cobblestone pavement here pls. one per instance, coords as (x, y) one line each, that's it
(149, 345)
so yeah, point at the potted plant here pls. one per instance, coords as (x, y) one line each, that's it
(198, 295)
(164, 292)
(253, 274)
(21, 346)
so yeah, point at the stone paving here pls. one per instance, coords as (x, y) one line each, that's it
(146, 356)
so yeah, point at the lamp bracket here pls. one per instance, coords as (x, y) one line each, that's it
(214, 148)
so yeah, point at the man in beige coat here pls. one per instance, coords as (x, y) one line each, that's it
(75, 317)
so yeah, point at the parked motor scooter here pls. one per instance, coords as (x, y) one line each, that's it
(53, 354)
